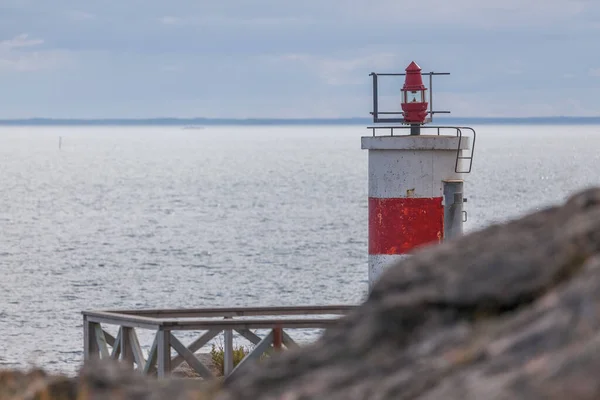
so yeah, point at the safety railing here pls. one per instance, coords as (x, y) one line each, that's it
(458, 131)
(125, 346)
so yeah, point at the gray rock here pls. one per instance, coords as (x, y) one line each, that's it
(101, 380)
(510, 312)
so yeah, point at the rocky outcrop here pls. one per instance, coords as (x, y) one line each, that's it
(509, 312)
(101, 380)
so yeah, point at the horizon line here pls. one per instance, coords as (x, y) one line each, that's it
(283, 121)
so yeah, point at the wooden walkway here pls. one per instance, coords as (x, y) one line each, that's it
(211, 321)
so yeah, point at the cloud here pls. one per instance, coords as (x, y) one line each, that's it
(529, 103)
(19, 41)
(16, 55)
(343, 70)
(470, 13)
(169, 20)
(78, 15)
(172, 68)
(225, 20)
(309, 58)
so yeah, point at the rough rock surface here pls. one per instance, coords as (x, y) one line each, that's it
(105, 380)
(509, 312)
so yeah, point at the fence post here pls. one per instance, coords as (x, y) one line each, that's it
(277, 337)
(163, 350)
(90, 347)
(228, 351)
(126, 348)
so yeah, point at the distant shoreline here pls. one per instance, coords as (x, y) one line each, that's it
(200, 122)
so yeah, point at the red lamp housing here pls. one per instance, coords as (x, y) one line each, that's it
(414, 105)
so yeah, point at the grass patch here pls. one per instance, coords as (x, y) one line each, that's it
(217, 354)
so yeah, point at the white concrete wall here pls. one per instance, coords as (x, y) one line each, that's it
(408, 166)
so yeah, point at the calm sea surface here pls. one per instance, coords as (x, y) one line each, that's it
(151, 217)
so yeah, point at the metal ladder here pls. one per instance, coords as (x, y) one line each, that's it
(459, 133)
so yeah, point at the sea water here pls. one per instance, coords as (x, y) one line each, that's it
(165, 217)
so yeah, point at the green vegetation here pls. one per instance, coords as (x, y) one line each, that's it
(218, 356)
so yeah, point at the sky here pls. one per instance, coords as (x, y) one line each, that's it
(295, 59)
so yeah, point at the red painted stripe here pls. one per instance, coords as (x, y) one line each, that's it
(399, 225)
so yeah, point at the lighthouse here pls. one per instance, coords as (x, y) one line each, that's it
(415, 174)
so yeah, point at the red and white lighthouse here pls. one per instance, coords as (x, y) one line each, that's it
(415, 180)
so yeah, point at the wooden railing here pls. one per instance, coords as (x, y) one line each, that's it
(125, 346)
